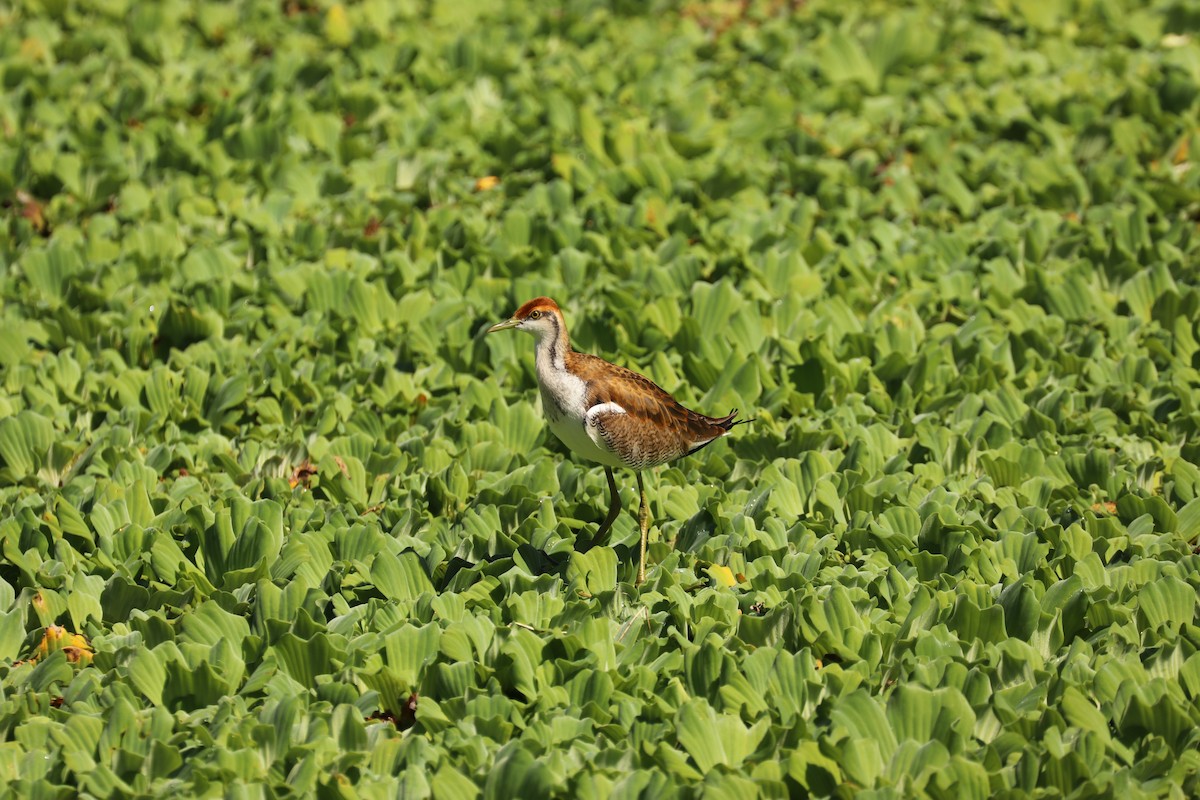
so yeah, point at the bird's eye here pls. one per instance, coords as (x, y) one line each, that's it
(534, 314)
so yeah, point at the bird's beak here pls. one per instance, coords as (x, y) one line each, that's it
(503, 326)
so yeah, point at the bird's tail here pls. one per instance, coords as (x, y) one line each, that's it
(728, 421)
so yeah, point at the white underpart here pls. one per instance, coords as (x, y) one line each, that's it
(563, 404)
(701, 442)
(564, 398)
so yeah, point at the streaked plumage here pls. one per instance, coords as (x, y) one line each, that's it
(609, 414)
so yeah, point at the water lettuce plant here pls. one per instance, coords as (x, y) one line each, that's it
(277, 519)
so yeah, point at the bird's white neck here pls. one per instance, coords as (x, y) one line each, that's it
(563, 393)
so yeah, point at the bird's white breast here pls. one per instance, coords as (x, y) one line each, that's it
(564, 402)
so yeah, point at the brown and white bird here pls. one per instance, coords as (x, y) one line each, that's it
(609, 414)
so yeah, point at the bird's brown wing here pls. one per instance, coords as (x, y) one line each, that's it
(654, 427)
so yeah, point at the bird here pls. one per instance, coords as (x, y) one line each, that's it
(609, 414)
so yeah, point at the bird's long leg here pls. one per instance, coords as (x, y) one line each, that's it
(614, 509)
(644, 524)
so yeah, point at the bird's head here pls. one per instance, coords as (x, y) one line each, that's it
(540, 317)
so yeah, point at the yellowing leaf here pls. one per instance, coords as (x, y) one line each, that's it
(722, 575)
(57, 638)
(33, 49)
(337, 26)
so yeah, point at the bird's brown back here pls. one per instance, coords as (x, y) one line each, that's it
(655, 427)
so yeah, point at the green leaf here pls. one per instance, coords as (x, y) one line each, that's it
(921, 715)
(517, 774)
(864, 720)
(181, 326)
(305, 659)
(1188, 521)
(12, 634)
(843, 59)
(51, 673)
(410, 649)
(1168, 602)
(25, 440)
(711, 738)
(451, 784)
(592, 572)
(400, 577)
(148, 673)
(50, 269)
(83, 599)
(209, 624)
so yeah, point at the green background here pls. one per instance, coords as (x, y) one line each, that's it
(255, 447)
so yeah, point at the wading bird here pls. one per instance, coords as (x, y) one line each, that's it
(609, 414)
